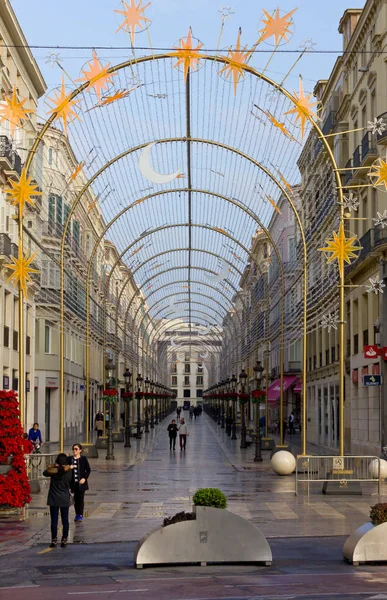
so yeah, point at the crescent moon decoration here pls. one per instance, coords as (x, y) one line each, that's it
(206, 331)
(149, 173)
(222, 275)
(173, 343)
(204, 354)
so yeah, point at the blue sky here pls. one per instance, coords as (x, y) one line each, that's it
(93, 22)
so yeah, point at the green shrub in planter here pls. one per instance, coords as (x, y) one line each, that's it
(210, 497)
(378, 514)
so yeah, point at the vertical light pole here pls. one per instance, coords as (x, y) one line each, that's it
(228, 411)
(224, 387)
(258, 370)
(146, 384)
(234, 398)
(109, 378)
(139, 381)
(127, 378)
(219, 402)
(152, 406)
(242, 383)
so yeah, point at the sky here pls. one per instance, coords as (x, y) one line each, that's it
(93, 23)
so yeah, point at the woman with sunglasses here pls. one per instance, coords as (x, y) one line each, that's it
(79, 485)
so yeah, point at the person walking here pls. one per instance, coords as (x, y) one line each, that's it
(291, 424)
(183, 433)
(172, 430)
(178, 411)
(58, 498)
(79, 479)
(99, 423)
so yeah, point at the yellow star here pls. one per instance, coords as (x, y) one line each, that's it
(14, 111)
(237, 60)
(378, 173)
(133, 18)
(276, 26)
(303, 109)
(97, 76)
(21, 270)
(273, 204)
(63, 106)
(77, 170)
(188, 55)
(22, 192)
(279, 125)
(342, 248)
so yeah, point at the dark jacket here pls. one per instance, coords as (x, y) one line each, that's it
(84, 472)
(172, 430)
(59, 492)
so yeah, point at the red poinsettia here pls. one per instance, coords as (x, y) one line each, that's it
(14, 486)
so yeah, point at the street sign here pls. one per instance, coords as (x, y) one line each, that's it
(338, 463)
(371, 380)
(371, 351)
(82, 387)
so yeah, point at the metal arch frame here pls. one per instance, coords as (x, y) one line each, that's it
(249, 69)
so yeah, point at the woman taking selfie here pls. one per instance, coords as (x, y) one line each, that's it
(59, 497)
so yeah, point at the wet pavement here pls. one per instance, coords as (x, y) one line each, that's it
(147, 482)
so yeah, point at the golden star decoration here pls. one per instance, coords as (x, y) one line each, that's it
(134, 18)
(378, 173)
(303, 108)
(119, 95)
(63, 106)
(341, 248)
(14, 111)
(188, 56)
(76, 172)
(21, 192)
(97, 76)
(21, 270)
(273, 204)
(279, 125)
(236, 61)
(276, 26)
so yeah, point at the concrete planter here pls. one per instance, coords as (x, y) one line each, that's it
(5, 468)
(367, 544)
(216, 536)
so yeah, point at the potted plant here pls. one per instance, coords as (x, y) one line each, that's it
(369, 542)
(209, 534)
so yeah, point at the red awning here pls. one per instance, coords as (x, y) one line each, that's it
(275, 388)
(298, 387)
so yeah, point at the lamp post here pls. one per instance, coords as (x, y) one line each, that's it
(127, 378)
(152, 423)
(109, 377)
(258, 370)
(233, 426)
(228, 410)
(224, 385)
(242, 383)
(139, 381)
(219, 402)
(146, 385)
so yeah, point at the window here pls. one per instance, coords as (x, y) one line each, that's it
(327, 357)
(356, 344)
(186, 380)
(199, 393)
(174, 368)
(174, 380)
(187, 357)
(47, 339)
(199, 380)
(15, 340)
(50, 156)
(6, 336)
(365, 337)
(292, 249)
(187, 368)
(333, 354)
(187, 394)
(200, 367)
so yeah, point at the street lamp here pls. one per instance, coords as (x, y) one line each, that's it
(228, 410)
(242, 401)
(219, 402)
(258, 370)
(127, 378)
(224, 386)
(139, 381)
(233, 387)
(153, 415)
(146, 384)
(109, 378)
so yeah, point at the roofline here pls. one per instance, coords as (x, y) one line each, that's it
(8, 15)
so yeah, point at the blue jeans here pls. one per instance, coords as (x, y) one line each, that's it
(64, 514)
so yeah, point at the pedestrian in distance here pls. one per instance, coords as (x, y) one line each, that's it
(99, 423)
(291, 424)
(27, 445)
(172, 430)
(178, 411)
(79, 479)
(35, 434)
(195, 412)
(59, 497)
(183, 433)
(191, 412)
(285, 427)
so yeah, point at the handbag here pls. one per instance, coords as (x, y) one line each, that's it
(72, 499)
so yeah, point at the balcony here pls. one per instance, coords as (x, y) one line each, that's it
(356, 158)
(317, 148)
(5, 245)
(330, 123)
(348, 174)
(14, 250)
(9, 159)
(369, 152)
(381, 138)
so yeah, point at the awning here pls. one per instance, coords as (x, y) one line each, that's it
(275, 388)
(298, 387)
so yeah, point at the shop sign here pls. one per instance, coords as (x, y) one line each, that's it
(5, 382)
(372, 380)
(52, 383)
(371, 351)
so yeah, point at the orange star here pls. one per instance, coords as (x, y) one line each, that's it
(276, 26)
(273, 204)
(14, 111)
(188, 55)
(303, 108)
(119, 95)
(22, 192)
(237, 60)
(78, 169)
(133, 18)
(138, 250)
(279, 125)
(63, 106)
(97, 76)
(21, 270)
(378, 173)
